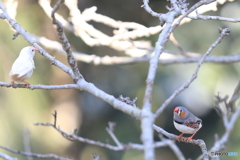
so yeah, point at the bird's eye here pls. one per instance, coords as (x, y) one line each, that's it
(32, 50)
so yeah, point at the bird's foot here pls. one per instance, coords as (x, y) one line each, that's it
(190, 137)
(179, 137)
(12, 84)
(27, 84)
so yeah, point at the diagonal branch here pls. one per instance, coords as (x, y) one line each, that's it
(65, 43)
(7, 157)
(82, 84)
(206, 17)
(229, 127)
(234, 98)
(110, 130)
(224, 32)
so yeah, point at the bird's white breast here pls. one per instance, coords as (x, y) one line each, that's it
(185, 129)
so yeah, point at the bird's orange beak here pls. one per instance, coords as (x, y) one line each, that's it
(35, 49)
(176, 110)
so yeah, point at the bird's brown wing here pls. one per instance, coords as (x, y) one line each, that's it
(193, 122)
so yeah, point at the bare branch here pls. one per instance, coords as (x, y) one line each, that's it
(234, 98)
(224, 32)
(119, 147)
(206, 17)
(26, 142)
(55, 118)
(65, 43)
(228, 121)
(7, 157)
(110, 130)
(147, 118)
(39, 86)
(74, 137)
(198, 142)
(90, 14)
(149, 10)
(221, 142)
(193, 8)
(45, 156)
(175, 42)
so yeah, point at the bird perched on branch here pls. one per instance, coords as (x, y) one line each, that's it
(186, 122)
(23, 66)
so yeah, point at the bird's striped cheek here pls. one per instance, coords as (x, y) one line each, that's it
(181, 114)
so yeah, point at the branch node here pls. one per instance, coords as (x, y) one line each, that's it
(75, 131)
(55, 118)
(111, 126)
(15, 35)
(128, 101)
(95, 156)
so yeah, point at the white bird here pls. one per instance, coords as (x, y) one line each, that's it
(23, 66)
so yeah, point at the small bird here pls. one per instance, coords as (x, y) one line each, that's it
(23, 66)
(186, 122)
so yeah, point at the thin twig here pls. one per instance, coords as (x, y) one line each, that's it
(234, 98)
(149, 10)
(55, 118)
(65, 43)
(110, 130)
(122, 147)
(95, 156)
(175, 42)
(220, 143)
(45, 156)
(229, 127)
(224, 32)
